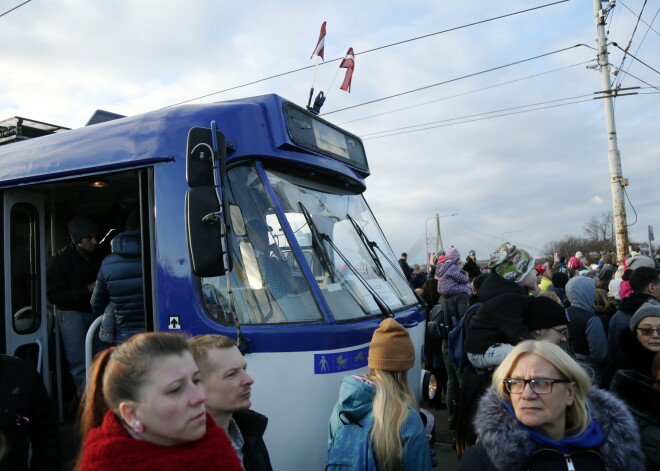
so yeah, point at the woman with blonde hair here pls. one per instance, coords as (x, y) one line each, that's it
(143, 410)
(374, 425)
(542, 413)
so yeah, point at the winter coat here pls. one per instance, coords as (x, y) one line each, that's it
(356, 397)
(500, 319)
(110, 448)
(504, 445)
(620, 321)
(405, 268)
(545, 284)
(253, 426)
(587, 334)
(451, 280)
(471, 268)
(27, 417)
(644, 402)
(634, 357)
(120, 281)
(68, 278)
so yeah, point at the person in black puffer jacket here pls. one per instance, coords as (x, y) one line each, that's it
(119, 284)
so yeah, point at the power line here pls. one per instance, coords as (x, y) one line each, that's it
(642, 20)
(466, 93)
(367, 51)
(478, 119)
(639, 46)
(478, 114)
(639, 17)
(454, 79)
(638, 60)
(15, 8)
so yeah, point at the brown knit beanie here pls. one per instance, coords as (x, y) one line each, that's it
(391, 348)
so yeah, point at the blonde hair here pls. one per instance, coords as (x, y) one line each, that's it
(577, 415)
(390, 410)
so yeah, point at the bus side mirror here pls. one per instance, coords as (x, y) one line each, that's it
(199, 156)
(204, 231)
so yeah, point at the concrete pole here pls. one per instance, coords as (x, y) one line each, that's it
(438, 240)
(617, 182)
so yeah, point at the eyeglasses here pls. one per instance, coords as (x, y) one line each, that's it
(648, 331)
(538, 385)
(562, 332)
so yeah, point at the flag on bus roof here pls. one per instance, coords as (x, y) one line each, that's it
(349, 64)
(319, 50)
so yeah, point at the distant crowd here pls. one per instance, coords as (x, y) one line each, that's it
(546, 365)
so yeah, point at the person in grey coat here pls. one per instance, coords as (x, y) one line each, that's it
(587, 333)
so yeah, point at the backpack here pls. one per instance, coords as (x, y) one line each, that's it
(456, 339)
(350, 448)
(445, 315)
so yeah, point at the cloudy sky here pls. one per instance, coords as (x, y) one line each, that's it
(518, 152)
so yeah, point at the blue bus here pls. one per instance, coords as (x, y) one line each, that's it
(253, 226)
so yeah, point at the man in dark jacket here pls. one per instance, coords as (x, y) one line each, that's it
(405, 268)
(645, 283)
(71, 278)
(119, 284)
(27, 419)
(227, 387)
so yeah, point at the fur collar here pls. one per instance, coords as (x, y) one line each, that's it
(509, 446)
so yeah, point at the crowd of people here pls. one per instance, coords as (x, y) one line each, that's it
(562, 358)
(559, 368)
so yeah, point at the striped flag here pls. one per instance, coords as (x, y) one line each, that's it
(319, 50)
(349, 64)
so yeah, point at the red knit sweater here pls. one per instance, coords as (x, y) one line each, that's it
(110, 448)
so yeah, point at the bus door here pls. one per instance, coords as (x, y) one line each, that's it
(26, 323)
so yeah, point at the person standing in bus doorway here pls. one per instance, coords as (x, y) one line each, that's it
(27, 419)
(375, 425)
(119, 290)
(227, 387)
(71, 279)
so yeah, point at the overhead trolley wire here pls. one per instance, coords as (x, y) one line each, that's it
(632, 36)
(15, 8)
(638, 60)
(649, 25)
(467, 93)
(455, 79)
(367, 51)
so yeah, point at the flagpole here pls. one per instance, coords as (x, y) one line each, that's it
(332, 82)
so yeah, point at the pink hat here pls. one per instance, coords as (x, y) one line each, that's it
(453, 253)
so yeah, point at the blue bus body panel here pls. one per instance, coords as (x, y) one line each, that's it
(159, 139)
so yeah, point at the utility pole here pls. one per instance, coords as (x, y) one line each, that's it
(617, 182)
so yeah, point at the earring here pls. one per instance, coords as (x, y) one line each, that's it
(138, 427)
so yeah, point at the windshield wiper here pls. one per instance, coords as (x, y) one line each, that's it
(369, 245)
(317, 241)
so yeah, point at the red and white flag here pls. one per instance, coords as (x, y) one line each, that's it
(349, 64)
(320, 44)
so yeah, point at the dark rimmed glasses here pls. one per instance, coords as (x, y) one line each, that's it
(562, 332)
(538, 385)
(648, 331)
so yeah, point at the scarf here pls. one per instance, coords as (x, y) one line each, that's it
(110, 447)
(592, 437)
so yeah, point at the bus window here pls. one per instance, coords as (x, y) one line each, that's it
(25, 289)
(267, 283)
(349, 271)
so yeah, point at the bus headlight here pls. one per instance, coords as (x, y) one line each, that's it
(429, 386)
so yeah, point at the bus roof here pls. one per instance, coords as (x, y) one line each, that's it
(157, 136)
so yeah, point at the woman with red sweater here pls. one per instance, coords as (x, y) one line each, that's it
(143, 410)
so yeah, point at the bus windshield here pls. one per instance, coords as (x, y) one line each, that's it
(356, 278)
(343, 246)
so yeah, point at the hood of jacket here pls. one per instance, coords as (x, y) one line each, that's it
(509, 446)
(356, 396)
(128, 244)
(580, 291)
(631, 303)
(495, 285)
